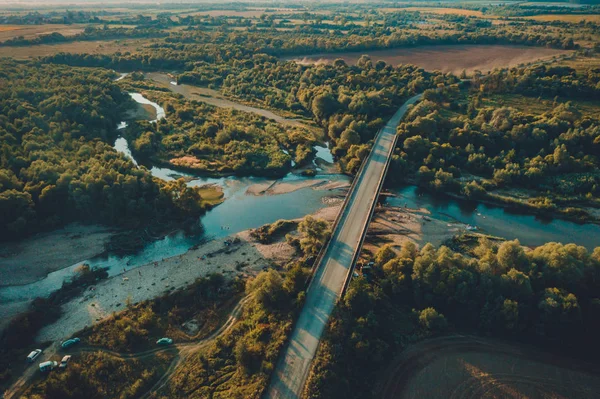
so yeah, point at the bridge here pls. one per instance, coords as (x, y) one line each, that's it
(335, 264)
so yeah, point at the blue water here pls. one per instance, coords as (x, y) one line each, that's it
(496, 221)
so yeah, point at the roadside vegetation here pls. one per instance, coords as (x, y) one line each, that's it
(546, 297)
(99, 375)
(190, 314)
(17, 338)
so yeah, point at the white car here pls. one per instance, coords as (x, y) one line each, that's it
(48, 366)
(63, 363)
(34, 355)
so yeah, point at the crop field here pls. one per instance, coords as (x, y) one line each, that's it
(447, 58)
(88, 47)
(439, 10)
(575, 18)
(470, 367)
(30, 31)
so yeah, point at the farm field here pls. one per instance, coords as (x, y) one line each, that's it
(471, 367)
(30, 31)
(447, 58)
(439, 10)
(87, 47)
(537, 106)
(566, 18)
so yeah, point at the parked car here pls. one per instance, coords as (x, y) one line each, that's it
(164, 341)
(48, 366)
(70, 342)
(33, 355)
(65, 360)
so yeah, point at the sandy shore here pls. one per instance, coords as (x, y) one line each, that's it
(393, 225)
(275, 187)
(157, 278)
(244, 258)
(32, 259)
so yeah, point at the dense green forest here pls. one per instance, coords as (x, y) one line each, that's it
(547, 296)
(57, 164)
(349, 102)
(207, 139)
(454, 142)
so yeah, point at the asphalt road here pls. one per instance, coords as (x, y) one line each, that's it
(326, 287)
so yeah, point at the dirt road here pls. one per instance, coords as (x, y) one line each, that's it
(217, 99)
(182, 350)
(468, 367)
(329, 280)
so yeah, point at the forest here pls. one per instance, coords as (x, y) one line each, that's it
(547, 297)
(453, 142)
(466, 138)
(56, 127)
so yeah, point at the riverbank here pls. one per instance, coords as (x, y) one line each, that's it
(34, 258)
(276, 187)
(515, 199)
(396, 226)
(237, 255)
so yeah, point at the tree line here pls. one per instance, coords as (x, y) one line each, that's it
(57, 165)
(547, 296)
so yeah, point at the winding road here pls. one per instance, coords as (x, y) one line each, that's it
(334, 270)
(183, 351)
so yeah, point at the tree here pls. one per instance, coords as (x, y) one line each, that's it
(511, 256)
(384, 255)
(432, 321)
(314, 233)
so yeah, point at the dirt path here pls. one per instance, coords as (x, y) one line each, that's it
(182, 350)
(217, 99)
(473, 367)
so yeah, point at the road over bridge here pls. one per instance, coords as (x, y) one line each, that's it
(334, 268)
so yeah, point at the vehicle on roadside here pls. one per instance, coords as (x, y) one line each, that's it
(48, 366)
(33, 355)
(164, 341)
(70, 342)
(64, 362)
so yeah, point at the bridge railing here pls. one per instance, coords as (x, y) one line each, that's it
(344, 208)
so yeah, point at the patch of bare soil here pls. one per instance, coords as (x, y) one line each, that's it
(465, 367)
(83, 47)
(396, 226)
(275, 187)
(32, 259)
(31, 31)
(446, 58)
(231, 256)
(217, 99)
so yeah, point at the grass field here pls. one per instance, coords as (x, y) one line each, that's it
(470, 367)
(439, 10)
(212, 195)
(575, 18)
(88, 47)
(453, 59)
(30, 31)
(537, 106)
(582, 63)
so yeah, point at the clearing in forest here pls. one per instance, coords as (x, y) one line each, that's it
(446, 58)
(471, 367)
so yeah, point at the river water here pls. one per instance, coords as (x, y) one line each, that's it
(497, 221)
(241, 211)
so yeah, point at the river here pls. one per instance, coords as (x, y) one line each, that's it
(241, 211)
(497, 221)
